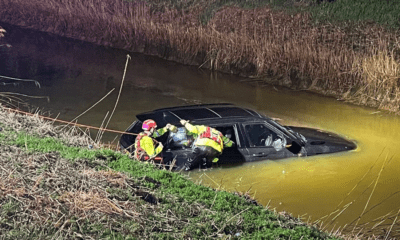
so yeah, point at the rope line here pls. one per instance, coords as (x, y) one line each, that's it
(66, 122)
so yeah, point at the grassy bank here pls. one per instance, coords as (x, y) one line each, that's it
(329, 47)
(53, 186)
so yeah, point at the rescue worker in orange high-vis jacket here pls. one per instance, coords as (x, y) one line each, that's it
(209, 144)
(146, 147)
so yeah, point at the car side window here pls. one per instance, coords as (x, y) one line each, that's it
(260, 135)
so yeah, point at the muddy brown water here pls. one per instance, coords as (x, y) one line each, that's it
(75, 75)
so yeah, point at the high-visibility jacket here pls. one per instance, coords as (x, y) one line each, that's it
(148, 146)
(208, 136)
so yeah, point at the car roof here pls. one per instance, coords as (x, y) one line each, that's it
(200, 113)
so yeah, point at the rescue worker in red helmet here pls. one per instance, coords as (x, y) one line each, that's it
(209, 144)
(146, 147)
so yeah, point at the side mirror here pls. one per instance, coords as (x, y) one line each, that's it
(294, 147)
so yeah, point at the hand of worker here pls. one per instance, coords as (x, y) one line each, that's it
(160, 145)
(183, 122)
(173, 129)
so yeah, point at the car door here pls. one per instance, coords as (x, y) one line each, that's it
(235, 154)
(264, 142)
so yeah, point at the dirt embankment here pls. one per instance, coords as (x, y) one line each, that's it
(357, 64)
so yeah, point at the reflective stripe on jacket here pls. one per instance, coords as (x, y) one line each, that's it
(208, 136)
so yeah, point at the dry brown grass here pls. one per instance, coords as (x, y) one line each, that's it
(380, 80)
(81, 202)
(117, 179)
(38, 126)
(260, 43)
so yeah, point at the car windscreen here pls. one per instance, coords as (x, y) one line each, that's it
(282, 129)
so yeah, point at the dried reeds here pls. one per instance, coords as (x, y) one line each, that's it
(85, 202)
(259, 42)
(380, 80)
(117, 179)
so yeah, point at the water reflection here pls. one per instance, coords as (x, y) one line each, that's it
(75, 75)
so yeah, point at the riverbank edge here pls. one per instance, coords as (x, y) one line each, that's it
(204, 59)
(31, 144)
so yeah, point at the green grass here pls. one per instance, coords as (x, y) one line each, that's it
(383, 12)
(48, 144)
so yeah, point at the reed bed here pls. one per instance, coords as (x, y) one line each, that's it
(261, 42)
(380, 80)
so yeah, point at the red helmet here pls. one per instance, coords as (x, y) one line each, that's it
(149, 124)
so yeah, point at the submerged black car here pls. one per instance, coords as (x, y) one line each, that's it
(257, 136)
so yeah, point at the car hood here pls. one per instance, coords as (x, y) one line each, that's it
(322, 142)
